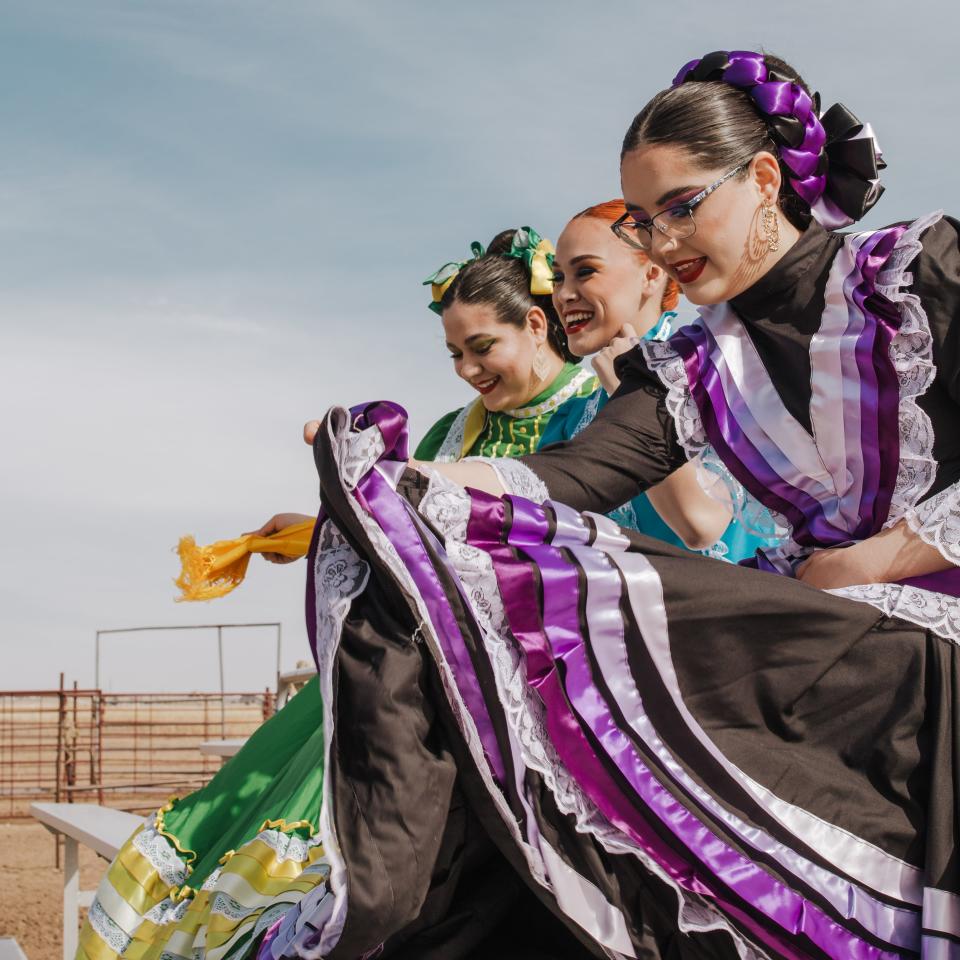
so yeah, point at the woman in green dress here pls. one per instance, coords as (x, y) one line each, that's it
(507, 342)
(210, 873)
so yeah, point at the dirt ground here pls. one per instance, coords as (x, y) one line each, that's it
(31, 888)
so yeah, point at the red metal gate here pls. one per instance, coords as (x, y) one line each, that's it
(126, 750)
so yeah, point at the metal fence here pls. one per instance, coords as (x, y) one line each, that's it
(125, 750)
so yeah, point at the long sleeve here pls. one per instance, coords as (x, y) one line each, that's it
(936, 281)
(630, 446)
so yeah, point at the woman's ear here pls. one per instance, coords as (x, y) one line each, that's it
(764, 171)
(538, 324)
(653, 280)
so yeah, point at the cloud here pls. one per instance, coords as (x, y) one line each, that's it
(214, 221)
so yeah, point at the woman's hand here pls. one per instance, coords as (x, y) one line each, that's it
(602, 362)
(278, 522)
(310, 429)
(839, 567)
(887, 557)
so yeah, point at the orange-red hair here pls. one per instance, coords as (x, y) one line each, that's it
(609, 212)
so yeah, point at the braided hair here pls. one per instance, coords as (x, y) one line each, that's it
(726, 107)
(719, 125)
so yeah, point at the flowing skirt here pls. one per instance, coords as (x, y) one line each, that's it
(210, 873)
(640, 752)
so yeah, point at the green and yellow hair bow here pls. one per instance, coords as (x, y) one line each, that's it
(538, 254)
(527, 245)
(442, 278)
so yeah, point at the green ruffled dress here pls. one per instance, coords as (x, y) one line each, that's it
(209, 873)
(474, 431)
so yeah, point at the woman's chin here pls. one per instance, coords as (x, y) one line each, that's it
(592, 341)
(495, 404)
(705, 292)
(589, 342)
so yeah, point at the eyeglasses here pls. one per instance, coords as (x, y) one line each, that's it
(675, 222)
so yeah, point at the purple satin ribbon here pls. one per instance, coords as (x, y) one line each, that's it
(605, 631)
(778, 98)
(879, 384)
(518, 587)
(750, 466)
(560, 588)
(557, 637)
(387, 508)
(878, 399)
(943, 581)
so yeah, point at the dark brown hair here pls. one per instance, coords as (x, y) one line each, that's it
(503, 282)
(719, 125)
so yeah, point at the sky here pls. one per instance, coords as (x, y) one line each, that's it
(214, 222)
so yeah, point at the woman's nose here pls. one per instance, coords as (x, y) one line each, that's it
(661, 243)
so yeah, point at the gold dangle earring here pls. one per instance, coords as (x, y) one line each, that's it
(541, 363)
(770, 224)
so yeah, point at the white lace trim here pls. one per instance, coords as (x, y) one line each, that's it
(937, 612)
(452, 445)
(288, 846)
(339, 576)
(447, 507)
(359, 449)
(554, 400)
(937, 522)
(162, 856)
(516, 478)
(911, 353)
(590, 411)
(112, 934)
(167, 911)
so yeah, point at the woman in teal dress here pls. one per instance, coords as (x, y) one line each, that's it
(608, 295)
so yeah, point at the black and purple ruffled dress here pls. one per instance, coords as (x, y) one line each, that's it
(551, 737)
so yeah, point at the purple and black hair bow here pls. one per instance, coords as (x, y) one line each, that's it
(834, 160)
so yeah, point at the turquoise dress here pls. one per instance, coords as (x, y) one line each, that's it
(736, 544)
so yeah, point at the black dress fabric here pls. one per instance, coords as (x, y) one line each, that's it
(553, 738)
(766, 770)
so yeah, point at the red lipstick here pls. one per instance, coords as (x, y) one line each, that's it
(688, 271)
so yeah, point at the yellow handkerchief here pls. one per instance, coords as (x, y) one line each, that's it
(213, 571)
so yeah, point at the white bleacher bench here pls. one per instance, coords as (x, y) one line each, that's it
(102, 829)
(291, 681)
(10, 949)
(221, 748)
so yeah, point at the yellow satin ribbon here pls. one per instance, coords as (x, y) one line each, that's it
(213, 571)
(476, 421)
(437, 290)
(541, 271)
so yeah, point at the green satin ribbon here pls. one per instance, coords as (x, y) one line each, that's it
(442, 278)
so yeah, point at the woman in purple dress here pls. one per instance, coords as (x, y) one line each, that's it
(552, 736)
